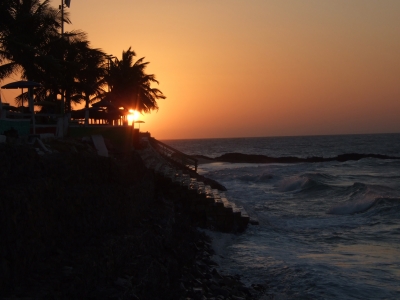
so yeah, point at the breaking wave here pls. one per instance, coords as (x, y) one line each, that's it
(307, 182)
(361, 198)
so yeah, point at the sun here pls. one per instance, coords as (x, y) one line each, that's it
(133, 116)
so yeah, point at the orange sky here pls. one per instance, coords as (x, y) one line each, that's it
(233, 68)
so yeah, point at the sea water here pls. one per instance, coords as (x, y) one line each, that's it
(327, 230)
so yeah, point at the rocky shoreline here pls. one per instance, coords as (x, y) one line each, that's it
(75, 225)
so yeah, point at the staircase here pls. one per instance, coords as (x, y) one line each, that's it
(204, 202)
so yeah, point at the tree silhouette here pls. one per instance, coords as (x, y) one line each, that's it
(84, 70)
(31, 46)
(27, 30)
(130, 86)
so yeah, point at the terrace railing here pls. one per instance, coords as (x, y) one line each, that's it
(174, 154)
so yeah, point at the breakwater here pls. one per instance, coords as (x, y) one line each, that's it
(254, 158)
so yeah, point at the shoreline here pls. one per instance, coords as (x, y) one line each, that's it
(89, 226)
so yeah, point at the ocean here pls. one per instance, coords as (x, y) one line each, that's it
(328, 230)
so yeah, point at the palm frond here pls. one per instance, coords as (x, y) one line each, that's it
(8, 69)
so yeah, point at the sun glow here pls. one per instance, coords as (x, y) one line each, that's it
(133, 116)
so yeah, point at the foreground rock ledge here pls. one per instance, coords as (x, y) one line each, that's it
(75, 225)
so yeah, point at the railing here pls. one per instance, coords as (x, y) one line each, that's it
(28, 115)
(174, 155)
(39, 122)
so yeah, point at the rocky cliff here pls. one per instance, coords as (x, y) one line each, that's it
(75, 225)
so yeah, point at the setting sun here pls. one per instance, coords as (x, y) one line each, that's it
(133, 116)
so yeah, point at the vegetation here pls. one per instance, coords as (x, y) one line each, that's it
(130, 85)
(32, 47)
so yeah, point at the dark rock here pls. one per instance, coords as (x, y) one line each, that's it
(253, 158)
(76, 225)
(221, 291)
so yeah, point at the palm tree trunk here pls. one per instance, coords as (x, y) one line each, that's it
(87, 110)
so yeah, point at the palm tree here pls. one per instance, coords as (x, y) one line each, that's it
(84, 69)
(130, 86)
(5, 21)
(31, 46)
(91, 76)
(27, 30)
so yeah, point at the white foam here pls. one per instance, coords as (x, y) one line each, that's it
(291, 184)
(354, 206)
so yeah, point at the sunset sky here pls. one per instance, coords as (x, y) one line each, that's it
(235, 68)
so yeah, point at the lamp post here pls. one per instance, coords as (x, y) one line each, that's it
(68, 4)
(110, 58)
